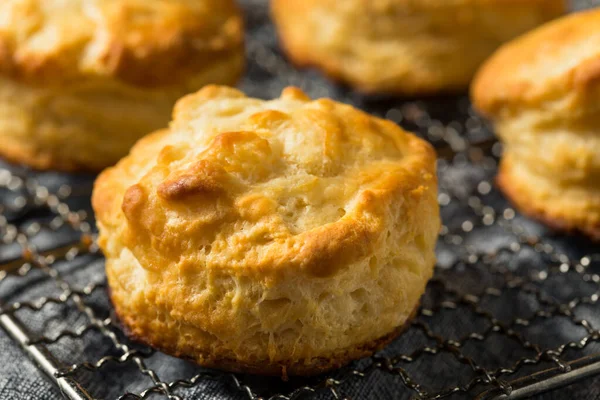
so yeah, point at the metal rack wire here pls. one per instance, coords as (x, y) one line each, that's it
(512, 310)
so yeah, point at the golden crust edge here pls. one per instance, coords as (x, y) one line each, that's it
(103, 192)
(539, 213)
(41, 161)
(316, 366)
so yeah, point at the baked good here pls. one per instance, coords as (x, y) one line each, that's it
(542, 91)
(273, 237)
(82, 80)
(403, 47)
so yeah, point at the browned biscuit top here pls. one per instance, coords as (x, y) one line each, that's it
(137, 41)
(544, 65)
(290, 182)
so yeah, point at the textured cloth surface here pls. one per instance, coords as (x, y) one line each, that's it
(267, 75)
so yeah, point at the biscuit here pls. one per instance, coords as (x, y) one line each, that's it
(275, 237)
(542, 92)
(406, 47)
(81, 81)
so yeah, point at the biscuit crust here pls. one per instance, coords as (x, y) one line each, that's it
(289, 232)
(403, 46)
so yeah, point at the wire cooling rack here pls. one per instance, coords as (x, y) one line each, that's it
(511, 311)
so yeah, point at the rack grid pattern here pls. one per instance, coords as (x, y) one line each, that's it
(511, 311)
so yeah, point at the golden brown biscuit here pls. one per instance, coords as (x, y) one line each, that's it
(82, 80)
(542, 92)
(275, 237)
(403, 46)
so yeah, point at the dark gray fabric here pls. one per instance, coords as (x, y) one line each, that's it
(267, 74)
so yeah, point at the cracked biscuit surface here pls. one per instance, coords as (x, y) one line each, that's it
(82, 80)
(542, 92)
(288, 236)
